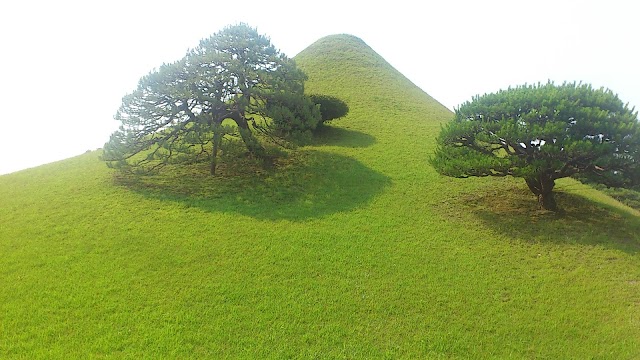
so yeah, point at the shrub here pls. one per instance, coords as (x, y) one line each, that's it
(330, 107)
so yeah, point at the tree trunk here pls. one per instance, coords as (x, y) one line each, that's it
(254, 147)
(217, 137)
(547, 201)
(542, 186)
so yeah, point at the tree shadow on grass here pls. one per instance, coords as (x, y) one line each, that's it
(336, 136)
(311, 185)
(514, 211)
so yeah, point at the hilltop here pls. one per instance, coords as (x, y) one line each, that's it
(357, 250)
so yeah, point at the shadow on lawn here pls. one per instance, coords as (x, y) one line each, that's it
(515, 212)
(312, 185)
(336, 136)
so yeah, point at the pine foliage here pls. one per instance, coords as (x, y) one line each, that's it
(177, 112)
(542, 133)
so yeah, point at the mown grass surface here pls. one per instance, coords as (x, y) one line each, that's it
(629, 197)
(353, 248)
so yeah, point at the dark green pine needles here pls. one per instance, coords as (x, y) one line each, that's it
(543, 133)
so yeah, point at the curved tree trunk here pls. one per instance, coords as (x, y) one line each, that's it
(249, 140)
(217, 138)
(542, 186)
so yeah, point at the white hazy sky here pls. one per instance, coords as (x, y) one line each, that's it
(65, 65)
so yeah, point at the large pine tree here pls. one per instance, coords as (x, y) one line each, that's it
(178, 110)
(542, 133)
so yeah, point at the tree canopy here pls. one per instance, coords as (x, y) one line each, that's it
(542, 133)
(177, 111)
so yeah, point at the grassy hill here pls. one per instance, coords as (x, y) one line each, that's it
(354, 248)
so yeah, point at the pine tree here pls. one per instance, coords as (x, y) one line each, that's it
(543, 133)
(177, 111)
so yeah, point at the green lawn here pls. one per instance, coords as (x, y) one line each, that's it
(353, 247)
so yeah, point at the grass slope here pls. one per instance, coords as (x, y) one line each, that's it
(354, 249)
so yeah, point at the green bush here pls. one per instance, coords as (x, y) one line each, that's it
(330, 107)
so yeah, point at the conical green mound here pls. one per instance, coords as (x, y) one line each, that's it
(345, 66)
(355, 248)
(400, 118)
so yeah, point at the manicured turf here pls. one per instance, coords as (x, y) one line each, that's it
(353, 247)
